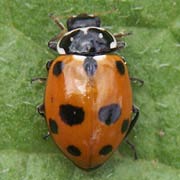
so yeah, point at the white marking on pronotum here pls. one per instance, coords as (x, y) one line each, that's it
(82, 58)
(79, 57)
(85, 30)
(99, 57)
(91, 15)
(71, 39)
(113, 45)
(100, 35)
(61, 51)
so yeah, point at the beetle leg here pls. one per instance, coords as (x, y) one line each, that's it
(53, 42)
(135, 80)
(132, 146)
(41, 110)
(134, 120)
(45, 137)
(40, 79)
(120, 44)
(120, 35)
(55, 19)
(48, 64)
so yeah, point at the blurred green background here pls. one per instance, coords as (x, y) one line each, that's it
(152, 54)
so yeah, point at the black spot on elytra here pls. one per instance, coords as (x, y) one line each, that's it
(125, 126)
(90, 66)
(53, 126)
(57, 69)
(73, 150)
(120, 67)
(106, 150)
(109, 114)
(71, 115)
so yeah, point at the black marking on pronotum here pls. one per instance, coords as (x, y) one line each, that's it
(57, 69)
(90, 66)
(71, 115)
(109, 114)
(73, 150)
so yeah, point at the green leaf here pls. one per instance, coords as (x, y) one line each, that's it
(152, 54)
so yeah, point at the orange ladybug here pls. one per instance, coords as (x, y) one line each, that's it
(88, 97)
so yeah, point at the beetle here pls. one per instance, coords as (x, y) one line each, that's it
(88, 98)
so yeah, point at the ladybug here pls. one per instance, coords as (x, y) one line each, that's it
(88, 98)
